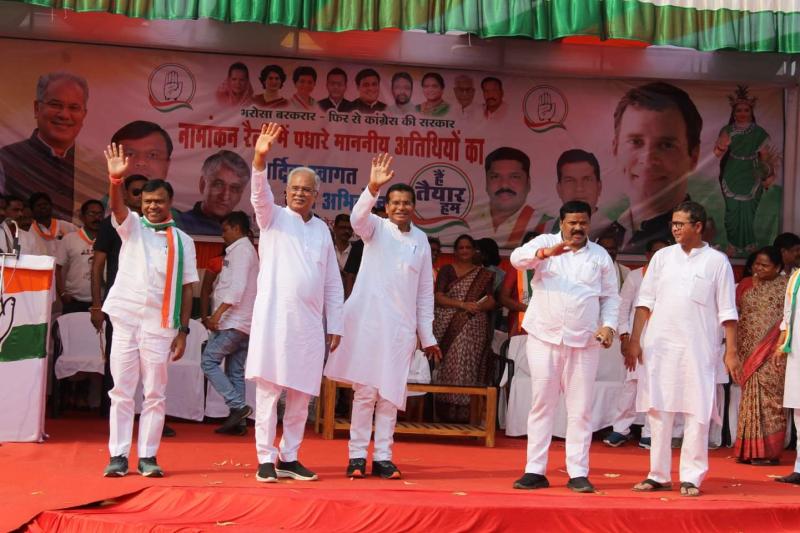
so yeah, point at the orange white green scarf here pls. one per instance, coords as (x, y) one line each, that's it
(791, 293)
(51, 233)
(173, 286)
(85, 236)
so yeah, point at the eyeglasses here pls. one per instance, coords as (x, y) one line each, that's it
(58, 106)
(680, 225)
(301, 190)
(136, 192)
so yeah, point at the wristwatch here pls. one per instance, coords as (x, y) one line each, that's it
(184, 329)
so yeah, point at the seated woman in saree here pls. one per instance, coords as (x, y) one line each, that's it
(464, 301)
(762, 422)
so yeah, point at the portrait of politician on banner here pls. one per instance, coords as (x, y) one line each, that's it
(488, 154)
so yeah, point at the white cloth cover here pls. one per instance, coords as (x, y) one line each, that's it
(82, 347)
(519, 397)
(185, 382)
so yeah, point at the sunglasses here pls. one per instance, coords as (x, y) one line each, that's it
(136, 192)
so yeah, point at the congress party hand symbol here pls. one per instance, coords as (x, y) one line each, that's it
(172, 86)
(6, 317)
(546, 108)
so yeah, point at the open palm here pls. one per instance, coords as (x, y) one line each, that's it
(116, 160)
(269, 133)
(381, 172)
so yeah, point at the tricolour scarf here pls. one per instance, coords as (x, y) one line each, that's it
(524, 278)
(173, 285)
(791, 293)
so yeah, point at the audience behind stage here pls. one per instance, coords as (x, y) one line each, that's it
(476, 297)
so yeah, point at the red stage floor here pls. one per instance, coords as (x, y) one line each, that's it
(449, 485)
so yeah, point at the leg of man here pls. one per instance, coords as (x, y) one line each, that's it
(626, 408)
(385, 421)
(124, 367)
(678, 425)
(364, 398)
(661, 445)
(546, 363)
(221, 345)
(694, 452)
(294, 424)
(267, 395)
(580, 371)
(154, 356)
(234, 368)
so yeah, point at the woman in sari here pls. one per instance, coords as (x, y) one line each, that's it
(762, 422)
(464, 300)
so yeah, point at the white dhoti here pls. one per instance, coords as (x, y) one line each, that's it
(694, 451)
(366, 402)
(136, 353)
(294, 422)
(556, 369)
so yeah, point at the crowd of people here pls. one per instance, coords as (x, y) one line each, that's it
(311, 302)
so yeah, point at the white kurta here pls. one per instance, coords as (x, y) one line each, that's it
(791, 391)
(298, 277)
(689, 296)
(392, 302)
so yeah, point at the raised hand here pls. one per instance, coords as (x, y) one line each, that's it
(269, 133)
(560, 248)
(117, 161)
(380, 173)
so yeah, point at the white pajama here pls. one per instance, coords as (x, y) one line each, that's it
(694, 451)
(366, 401)
(556, 369)
(797, 425)
(136, 353)
(626, 408)
(294, 422)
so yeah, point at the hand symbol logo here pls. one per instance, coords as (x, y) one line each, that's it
(6, 317)
(547, 109)
(173, 87)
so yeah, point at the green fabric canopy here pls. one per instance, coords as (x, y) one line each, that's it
(769, 27)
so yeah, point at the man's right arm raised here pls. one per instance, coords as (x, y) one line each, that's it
(261, 196)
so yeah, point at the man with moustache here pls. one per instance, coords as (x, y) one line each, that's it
(391, 304)
(149, 305)
(464, 91)
(223, 178)
(45, 227)
(298, 280)
(402, 89)
(368, 82)
(11, 227)
(685, 303)
(336, 83)
(657, 143)
(576, 301)
(46, 162)
(494, 108)
(508, 183)
(74, 260)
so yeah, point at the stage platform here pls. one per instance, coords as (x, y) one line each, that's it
(449, 485)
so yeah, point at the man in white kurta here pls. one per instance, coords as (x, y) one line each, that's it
(574, 308)
(391, 303)
(149, 307)
(791, 350)
(686, 299)
(298, 277)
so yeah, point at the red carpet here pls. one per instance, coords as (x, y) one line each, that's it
(449, 485)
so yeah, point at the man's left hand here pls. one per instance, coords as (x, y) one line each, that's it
(734, 366)
(333, 341)
(433, 353)
(178, 346)
(605, 336)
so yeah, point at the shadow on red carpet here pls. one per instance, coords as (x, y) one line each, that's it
(448, 485)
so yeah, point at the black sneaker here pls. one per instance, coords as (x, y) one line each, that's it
(530, 481)
(580, 484)
(148, 467)
(240, 430)
(168, 431)
(266, 473)
(234, 418)
(357, 468)
(386, 470)
(117, 467)
(295, 470)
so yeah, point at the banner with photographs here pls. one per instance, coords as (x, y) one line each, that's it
(488, 155)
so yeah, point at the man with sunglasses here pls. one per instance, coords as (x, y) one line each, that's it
(686, 301)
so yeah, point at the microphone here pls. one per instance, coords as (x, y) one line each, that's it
(15, 242)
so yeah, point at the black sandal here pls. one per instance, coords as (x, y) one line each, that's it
(652, 486)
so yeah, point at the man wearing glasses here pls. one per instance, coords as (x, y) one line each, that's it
(298, 280)
(687, 302)
(46, 161)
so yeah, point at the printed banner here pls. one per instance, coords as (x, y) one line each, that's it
(488, 155)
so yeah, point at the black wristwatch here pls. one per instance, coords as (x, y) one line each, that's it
(184, 329)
